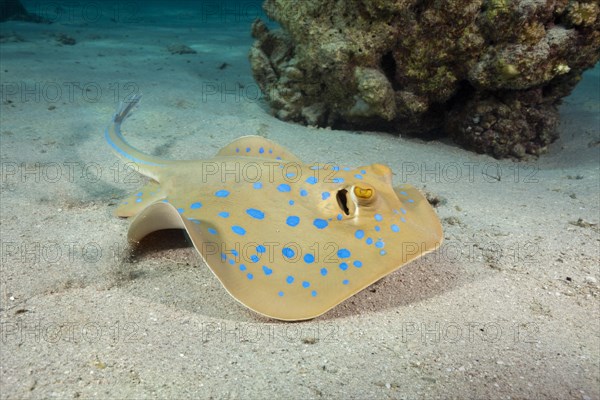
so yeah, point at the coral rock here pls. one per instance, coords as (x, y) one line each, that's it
(428, 67)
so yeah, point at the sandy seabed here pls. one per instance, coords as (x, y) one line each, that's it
(507, 308)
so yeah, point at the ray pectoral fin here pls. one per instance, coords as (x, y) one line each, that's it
(257, 146)
(156, 217)
(423, 219)
(132, 205)
(383, 171)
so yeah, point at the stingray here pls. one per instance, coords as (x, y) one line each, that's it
(286, 239)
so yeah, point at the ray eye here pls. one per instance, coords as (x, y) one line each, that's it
(363, 193)
(342, 199)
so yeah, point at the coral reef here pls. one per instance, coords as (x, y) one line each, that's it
(14, 10)
(488, 73)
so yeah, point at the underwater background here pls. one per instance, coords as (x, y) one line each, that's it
(507, 307)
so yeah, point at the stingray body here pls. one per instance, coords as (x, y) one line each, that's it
(286, 239)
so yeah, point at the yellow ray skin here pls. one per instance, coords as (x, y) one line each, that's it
(286, 239)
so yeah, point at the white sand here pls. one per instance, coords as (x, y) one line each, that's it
(508, 308)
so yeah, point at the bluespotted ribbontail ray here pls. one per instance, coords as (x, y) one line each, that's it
(286, 239)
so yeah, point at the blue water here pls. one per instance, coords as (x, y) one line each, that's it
(151, 13)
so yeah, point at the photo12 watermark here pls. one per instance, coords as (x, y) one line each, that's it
(25, 331)
(261, 173)
(88, 12)
(436, 332)
(69, 92)
(227, 11)
(245, 254)
(53, 252)
(238, 332)
(467, 172)
(13, 174)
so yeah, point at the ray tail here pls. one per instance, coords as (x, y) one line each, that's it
(146, 164)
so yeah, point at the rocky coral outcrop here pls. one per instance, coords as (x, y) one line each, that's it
(489, 73)
(14, 10)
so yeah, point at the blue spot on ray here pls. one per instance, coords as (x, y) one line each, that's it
(324, 271)
(212, 231)
(289, 279)
(345, 281)
(325, 195)
(378, 217)
(138, 200)
(357, 263)
(280, 294)
(260, 248)
(320, 223)
(284, 187)
(343, 266)
(343, 253)
(292, 220)
(196, 205)
(287, 252)
(395, 228)
(250, 276)
(257, 185)
(254, 258)
(309, 258)
(238, 229)
(224, 214)
(313, 293)
(180, 210)
(268, 271)
(305, 284)
(254, 213)
(222, 193)
(311, 179)
(359, 234)
(303, 193)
